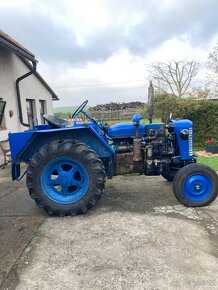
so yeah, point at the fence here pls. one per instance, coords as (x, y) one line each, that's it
(112, 115)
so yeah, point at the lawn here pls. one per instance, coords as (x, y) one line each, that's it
(210, 161)
(69, 109)
(145, 121)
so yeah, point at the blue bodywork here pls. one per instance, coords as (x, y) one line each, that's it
(24, 144)
(136, 118)
(186, 146)
(127, 129)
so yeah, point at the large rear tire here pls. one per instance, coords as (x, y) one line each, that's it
(65, 178)
(196, 185)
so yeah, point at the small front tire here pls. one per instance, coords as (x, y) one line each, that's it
(196, 185)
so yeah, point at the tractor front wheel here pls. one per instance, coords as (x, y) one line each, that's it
(196, 185)
(65, 178)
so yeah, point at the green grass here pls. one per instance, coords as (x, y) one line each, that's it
(144, 121)
(210, 161)
(70, 109)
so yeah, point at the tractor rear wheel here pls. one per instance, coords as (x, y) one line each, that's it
(65, 178)
(196, 185)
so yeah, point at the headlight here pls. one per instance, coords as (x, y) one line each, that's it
(184, 134)
(170, 127)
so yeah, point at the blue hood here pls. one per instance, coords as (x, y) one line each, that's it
(125, 130)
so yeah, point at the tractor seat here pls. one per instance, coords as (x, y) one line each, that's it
(56, 122)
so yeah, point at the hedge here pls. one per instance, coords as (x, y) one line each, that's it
(203, 114)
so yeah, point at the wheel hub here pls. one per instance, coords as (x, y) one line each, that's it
(65, 180)
(197, 187)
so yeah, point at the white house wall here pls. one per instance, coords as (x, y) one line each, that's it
(11, 68)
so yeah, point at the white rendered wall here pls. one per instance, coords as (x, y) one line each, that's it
(12, 67)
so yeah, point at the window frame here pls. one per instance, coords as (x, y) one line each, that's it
(32, 106)
(3, 112)
(42, 110)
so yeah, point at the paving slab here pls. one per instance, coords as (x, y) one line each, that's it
(137, 237)
(19, 220)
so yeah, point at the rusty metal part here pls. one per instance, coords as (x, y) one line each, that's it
(137, 149)
(124, 164)
(148, 161)
(138, 166)
(124, 148)
(137, 131)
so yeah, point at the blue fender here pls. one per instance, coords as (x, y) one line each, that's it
(23, 145)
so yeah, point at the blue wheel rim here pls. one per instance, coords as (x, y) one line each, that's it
(64, 180)
(197, 187)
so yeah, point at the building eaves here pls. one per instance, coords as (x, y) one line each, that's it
(25, 55)
(11, 44)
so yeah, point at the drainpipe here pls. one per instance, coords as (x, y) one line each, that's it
(32, 71)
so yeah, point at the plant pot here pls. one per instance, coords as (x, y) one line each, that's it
(212, 149)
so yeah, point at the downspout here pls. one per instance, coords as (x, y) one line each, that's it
(32, 71)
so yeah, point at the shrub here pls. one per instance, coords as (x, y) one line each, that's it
(203, 114)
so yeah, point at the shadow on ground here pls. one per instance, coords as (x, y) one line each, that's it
(137, 193)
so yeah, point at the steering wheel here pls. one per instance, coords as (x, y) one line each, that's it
(102, 127)
(78, 110)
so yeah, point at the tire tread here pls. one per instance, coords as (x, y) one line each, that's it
(56, 148)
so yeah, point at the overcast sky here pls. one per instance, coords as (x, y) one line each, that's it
(98, 49)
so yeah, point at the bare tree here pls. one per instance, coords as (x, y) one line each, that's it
(201, 93)
(213, 69)
(173, 77)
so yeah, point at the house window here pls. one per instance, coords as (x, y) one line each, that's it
(31, 112)
(42, 106)
(2, 118)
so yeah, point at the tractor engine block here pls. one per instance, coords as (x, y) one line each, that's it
(143, 155)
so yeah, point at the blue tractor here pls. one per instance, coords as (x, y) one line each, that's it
(68, 162)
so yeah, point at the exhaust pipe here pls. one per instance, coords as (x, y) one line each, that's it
(150, 102)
